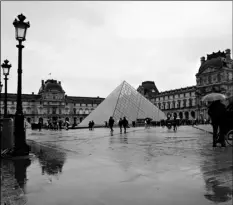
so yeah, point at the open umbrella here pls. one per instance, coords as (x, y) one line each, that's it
(213, 97)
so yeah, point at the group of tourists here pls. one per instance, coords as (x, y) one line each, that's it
(121, 123)
(91, 125)
(56, 124)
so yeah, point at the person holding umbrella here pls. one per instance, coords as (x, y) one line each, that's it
(217, 113)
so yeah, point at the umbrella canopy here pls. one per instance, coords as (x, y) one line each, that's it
(213, 97)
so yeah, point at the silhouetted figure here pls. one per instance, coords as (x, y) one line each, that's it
(134, 124)
(148, 120)
(111, 123)
(92, 125)
(60, 124)
(125, 124)
(217, 111)
(67, 125)
(120, 123)
(89, 125)
(174, 123)
(40, 126)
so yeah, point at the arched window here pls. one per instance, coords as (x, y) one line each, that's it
(80, 111)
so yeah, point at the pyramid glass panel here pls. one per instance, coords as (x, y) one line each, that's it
(124, 101)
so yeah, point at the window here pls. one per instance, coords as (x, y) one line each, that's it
(178, 105)
(184, 103)
(190, 102)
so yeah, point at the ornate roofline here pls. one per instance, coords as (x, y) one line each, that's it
(184, 89)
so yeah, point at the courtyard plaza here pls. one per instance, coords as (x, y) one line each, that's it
(140, 167)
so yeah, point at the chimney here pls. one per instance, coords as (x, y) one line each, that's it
(228, 54)
(59, 82)
(202, 60)
(32, 93)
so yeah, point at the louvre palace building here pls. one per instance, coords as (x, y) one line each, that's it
(214, 75)
(51, 103)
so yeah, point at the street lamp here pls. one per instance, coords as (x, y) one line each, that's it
(6, 69)
(0, 92)
(21, 147)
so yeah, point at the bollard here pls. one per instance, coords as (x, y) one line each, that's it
(7, 133)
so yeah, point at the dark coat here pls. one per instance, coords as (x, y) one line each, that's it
(111, 122)
(217, 112)
(125, 123)
(120, 123)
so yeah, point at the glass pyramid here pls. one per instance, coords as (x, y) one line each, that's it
(124, 101)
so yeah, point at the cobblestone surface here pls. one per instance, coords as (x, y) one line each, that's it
(153, 166)
(11, 193)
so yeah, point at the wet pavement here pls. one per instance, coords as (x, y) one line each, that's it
(152, 166)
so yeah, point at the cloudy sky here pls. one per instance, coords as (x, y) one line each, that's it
(91, 47)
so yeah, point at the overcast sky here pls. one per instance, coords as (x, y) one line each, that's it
(91, 47)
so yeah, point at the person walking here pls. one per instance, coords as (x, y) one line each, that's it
(125, 124)
(89, 125)
(217, 111)
(111, 123)
(120, 123)
(174, 123)
(92, 125)
(148, 122)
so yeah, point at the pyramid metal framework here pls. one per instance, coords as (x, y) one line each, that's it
(124, 101)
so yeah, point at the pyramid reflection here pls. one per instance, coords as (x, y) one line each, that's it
(124, 101)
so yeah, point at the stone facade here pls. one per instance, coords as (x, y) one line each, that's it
(52, 103)
(214, 75)
(180, 102)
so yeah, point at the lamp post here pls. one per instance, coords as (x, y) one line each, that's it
(0, 93)
(21, 148)
(6, 69)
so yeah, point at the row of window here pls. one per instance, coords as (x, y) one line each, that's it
(57, 103)
(50, 111)
(171, 105)
(210, 79)
(180, 95)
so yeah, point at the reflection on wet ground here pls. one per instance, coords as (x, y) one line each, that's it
(153, 166)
